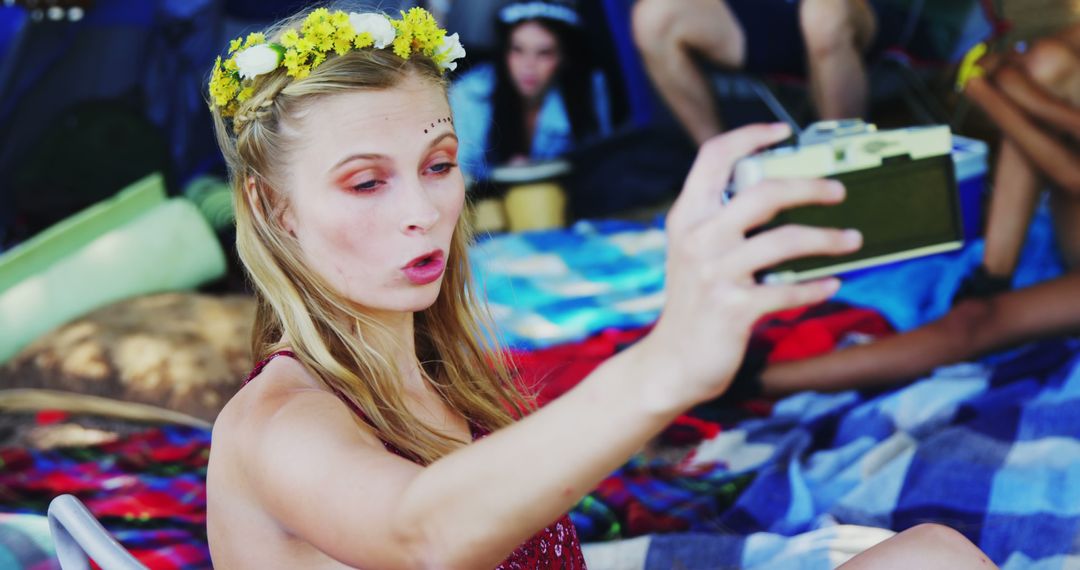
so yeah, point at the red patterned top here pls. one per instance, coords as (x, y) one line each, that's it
(556, 546)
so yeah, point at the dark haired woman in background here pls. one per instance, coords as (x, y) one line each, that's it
(540, 97)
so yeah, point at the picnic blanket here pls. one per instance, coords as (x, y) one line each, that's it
(551, 287)
(988, 449)
(148, 489)
(557, 286)
(785, 335)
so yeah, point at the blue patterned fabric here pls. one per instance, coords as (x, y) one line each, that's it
(557, 286)
(989, 451)
(549, 287)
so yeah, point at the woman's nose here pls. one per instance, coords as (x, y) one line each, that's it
(421, 213)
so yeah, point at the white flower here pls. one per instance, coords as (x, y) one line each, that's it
(257, 60)
(379, 26)
(451, 49)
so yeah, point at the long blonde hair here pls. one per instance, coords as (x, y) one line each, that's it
(330, 334)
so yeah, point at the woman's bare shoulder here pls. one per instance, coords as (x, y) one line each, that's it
(282, 402)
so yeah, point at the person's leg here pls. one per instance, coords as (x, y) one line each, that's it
(926, 547)
(1044, 83)
(837, 32)
(669, 33)
(972, 328)
(1065, 209)
(1054, 63)
(1015, 195)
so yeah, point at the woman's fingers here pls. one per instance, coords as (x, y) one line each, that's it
(772, 298)
(784, 244)
(701, 194)
(756, 206)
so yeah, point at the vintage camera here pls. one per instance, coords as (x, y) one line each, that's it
(901, 192)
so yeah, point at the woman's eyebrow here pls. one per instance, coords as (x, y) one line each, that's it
(378, 156)
(351, 157)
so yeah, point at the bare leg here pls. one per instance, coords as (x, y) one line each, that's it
(1066, 212)
(974, 327)
(1044, 83)
(1053, 64)
(1016, 192)
(837, 32)
(926, 547)
(668, 34)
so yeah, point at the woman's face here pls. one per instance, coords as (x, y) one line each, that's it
(374, 193)
(533, 59)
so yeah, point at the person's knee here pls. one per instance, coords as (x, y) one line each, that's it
(1050, 62)
(827, 25)
(940, 538)
(654, 24)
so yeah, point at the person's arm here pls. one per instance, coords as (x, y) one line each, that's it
(1055, 112)
(969, 330)
(1044, 150)
(334, 487)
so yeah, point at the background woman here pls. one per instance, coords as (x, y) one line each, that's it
(540, 97)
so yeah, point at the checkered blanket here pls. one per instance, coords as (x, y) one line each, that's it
(988, 449)
(550, 287)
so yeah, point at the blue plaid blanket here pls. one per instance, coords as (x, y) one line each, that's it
(989, 449)
(551, 287)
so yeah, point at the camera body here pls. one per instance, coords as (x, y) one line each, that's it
(901, 192)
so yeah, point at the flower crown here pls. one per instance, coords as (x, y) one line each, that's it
(324, 32)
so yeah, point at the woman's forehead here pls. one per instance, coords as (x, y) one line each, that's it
(411, 106)
(397, 122)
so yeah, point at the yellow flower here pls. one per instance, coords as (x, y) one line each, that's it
(340, 20)
(235, 44)
(223, 85)
(294, 63)
(290, 38)
(363, 40)
(305, 46)
(254, 38)
(230, 65)
(403, 46)
(343, 40)
(316, 17)
(245, 94)
(422, 30)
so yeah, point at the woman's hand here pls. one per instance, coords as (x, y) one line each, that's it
(712, 298)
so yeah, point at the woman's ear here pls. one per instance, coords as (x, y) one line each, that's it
(284, 213)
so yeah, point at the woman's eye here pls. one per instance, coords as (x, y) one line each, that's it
(442, 167)
(366, 186)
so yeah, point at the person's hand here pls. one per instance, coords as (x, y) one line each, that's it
(712, 300)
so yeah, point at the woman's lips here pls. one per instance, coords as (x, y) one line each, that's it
(426, 268)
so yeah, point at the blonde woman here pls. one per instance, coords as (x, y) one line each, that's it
(385, 434)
